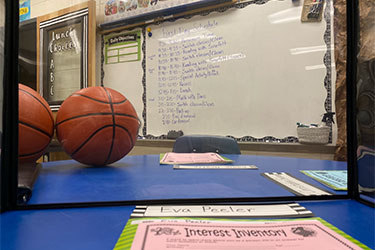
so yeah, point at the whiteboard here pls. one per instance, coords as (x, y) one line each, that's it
(250, 72)
(125, 77)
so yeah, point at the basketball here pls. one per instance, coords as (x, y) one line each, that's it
(35, 125)
(97, 126)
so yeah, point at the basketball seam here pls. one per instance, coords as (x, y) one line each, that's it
(129, 134)
(49, 114)
(89, 138)
(88, 97)
(97, 131)
(94, 114)
(35, 128)
(113, 126)
(30, 154)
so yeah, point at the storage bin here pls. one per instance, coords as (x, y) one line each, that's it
(313, 135)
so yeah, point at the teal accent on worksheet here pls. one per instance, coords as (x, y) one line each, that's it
(335, 179)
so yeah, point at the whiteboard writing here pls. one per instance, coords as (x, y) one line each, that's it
(235, 73)
(184, 56)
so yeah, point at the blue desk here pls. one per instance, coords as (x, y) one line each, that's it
(99, 228)
(143, 178)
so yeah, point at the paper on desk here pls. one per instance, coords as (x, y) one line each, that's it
(192, 158)
(335, 179)
(307, 234)
(295, 185)
(281, 210)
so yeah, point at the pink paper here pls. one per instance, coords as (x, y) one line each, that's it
(186, 158)
(306, 235)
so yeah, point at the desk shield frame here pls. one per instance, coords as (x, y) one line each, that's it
(10, 137)
(362, 139)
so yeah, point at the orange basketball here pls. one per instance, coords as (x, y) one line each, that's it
(35, 124)
(97, 126)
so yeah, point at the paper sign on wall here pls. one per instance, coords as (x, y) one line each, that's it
(24, 10)
(122, 47)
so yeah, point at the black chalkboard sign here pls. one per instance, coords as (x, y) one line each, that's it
(64, 61)
(64, 52)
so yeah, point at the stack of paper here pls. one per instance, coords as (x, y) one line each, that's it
(192, 158)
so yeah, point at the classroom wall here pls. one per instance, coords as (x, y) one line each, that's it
(41, 7)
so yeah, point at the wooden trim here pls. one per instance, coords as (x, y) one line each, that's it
(88, 4)
(37, 54)
(91, 45)
(255, 146)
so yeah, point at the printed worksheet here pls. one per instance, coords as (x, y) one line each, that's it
(170, 234)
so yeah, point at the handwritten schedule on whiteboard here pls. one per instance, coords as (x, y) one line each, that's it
(235, 73)
(180, 63)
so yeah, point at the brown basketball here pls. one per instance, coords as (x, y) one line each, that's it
(35, 124)
(97, 126)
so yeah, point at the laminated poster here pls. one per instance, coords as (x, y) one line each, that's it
(24, 10)
(163, 234)
(122, 47)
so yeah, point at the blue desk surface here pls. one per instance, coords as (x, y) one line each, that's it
(143, 178)
(99, 228)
